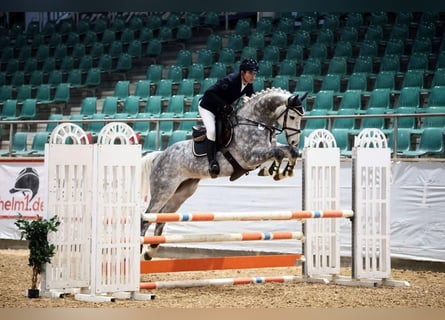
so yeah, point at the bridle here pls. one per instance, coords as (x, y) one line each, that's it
(299, 110)
(273, 129)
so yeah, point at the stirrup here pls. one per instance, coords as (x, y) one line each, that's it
(214, 169)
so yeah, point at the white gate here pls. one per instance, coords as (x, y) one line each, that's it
(321, 175)
(371, 196)
(95, 192)
(69, 167)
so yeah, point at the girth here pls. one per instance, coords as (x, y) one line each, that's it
(238, 171)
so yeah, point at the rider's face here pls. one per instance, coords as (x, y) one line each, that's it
(248, 76)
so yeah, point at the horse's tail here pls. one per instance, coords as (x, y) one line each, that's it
(146, 167)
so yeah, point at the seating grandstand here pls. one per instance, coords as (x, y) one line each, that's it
(60, 66)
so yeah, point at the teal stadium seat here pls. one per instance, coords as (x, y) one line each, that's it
(431, 143)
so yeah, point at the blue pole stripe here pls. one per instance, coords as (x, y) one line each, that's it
(258, 280)
(317, 214)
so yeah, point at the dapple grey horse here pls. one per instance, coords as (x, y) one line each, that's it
(172, 176)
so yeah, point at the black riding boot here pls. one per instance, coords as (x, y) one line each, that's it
(211, 156)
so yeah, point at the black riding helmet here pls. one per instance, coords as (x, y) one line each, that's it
(249, 65)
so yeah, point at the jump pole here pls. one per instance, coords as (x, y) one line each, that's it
(218, 282)
(246, 216)
(237, 262)
(221, 237)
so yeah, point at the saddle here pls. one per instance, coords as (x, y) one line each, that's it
(224, 134)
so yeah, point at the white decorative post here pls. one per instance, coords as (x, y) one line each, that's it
(321, 175)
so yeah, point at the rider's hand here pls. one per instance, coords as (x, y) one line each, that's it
(227, 109)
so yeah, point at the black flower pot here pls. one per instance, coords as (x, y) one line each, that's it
(33, 293)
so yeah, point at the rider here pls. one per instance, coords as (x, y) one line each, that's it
(217, 100)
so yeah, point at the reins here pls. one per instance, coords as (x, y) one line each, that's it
(273, 129)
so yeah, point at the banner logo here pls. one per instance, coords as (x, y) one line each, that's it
(27, 182)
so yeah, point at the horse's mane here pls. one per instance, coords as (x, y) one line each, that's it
(259, 95)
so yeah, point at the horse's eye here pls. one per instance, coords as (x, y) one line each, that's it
(292, 117)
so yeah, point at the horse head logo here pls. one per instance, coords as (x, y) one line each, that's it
(27, 182)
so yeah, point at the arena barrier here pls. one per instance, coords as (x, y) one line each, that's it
(95, 189)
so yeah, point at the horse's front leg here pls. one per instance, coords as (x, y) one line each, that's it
(272, 170)
(292, 160)
(275, 154)
(280, 153)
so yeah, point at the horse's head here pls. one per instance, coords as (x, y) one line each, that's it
(292, 118)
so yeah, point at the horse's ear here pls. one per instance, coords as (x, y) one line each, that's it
(303, 96)
(292, 101)
(296, 100)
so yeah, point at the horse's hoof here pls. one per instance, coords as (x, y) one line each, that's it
(147, 256)
(262, 172)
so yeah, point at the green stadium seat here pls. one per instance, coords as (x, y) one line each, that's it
(150, 143)
(154, 73)
(9, 110)
(357, 81)
(109, 106)
(196, 72)
(143, 89)
(176, 105)
(338, 65)
(164, 88)
(385, 80)
(344, 123)
(305, 83)
(351, 100)
(431, 143)
(379, 99)
(142, 127)
(19, 145)
(28, 110)
(332, 82)
(88, 107)
(131, 106)
(403, 140)
(321, 123)
(177, 136)
(154, 106)
(323, 100)
(214, 42)
(38, 144)
(122, 89)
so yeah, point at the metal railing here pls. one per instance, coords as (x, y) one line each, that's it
(393, 118)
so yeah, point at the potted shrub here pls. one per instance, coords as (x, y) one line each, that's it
(40, 250)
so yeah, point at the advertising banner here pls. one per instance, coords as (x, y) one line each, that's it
(22, 191)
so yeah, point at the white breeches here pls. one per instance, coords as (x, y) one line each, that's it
(208, 118)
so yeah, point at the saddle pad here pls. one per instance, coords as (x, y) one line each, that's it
(199, 148)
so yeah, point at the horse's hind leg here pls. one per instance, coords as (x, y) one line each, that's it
(183, 192)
